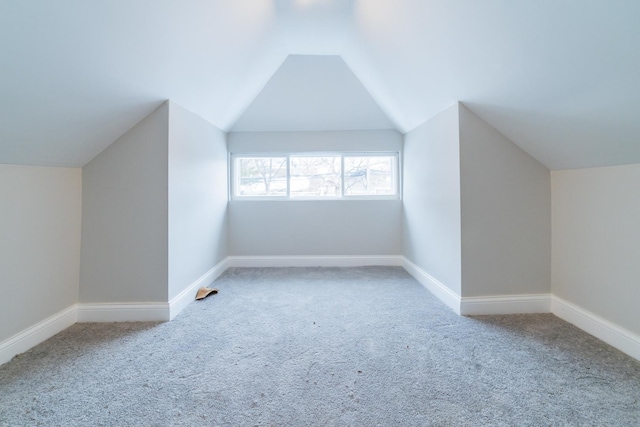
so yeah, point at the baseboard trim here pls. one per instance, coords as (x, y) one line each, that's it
(187, 296)
(433, 285)
(314, 261)
(506, 304)
(614, 335)
(124, 312)
(37, 333)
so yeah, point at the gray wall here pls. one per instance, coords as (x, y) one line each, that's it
(431, 226)
(351, 227)
(125, 219)
(315, 227)
(40, 209)
(198, 232)
(355, 140)
(596, 241)
(506, 214)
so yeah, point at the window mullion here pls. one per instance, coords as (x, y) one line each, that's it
(342, 176)
(288, 176)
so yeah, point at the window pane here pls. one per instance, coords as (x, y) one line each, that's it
(369, 175)
(261, 176)
(315, 176)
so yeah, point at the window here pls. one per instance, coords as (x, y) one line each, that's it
(370, 175)
(315, 176)
(261, 176)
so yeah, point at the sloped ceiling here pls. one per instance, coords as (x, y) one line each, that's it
(559, 78)
(78, 74)
(313, 93)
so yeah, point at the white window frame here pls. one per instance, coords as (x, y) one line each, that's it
(234, 175)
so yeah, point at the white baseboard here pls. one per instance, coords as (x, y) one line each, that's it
(614, 335)
(314, 261)
(37, 333)
(124, 312)
(506, 304)
(184, 298)
(434, 286)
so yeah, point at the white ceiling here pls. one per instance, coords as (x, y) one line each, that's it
(561, 78)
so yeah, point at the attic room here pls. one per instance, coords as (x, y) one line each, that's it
(514, 145)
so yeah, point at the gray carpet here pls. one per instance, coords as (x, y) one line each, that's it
(322, 346)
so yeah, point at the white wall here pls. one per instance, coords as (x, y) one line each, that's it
(355, 140)
(506, 214)
(125, 219)
(198, 232)
(596, 241)
(315, 228)
(431, 226)
(40, 210)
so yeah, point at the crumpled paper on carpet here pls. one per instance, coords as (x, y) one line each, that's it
(204, 292)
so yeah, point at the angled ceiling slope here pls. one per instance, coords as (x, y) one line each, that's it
(559, 78)
(313, 93)
(75, 76)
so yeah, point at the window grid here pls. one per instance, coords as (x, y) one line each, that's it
(394, 171)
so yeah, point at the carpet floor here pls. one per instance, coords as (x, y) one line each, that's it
(322, 346)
